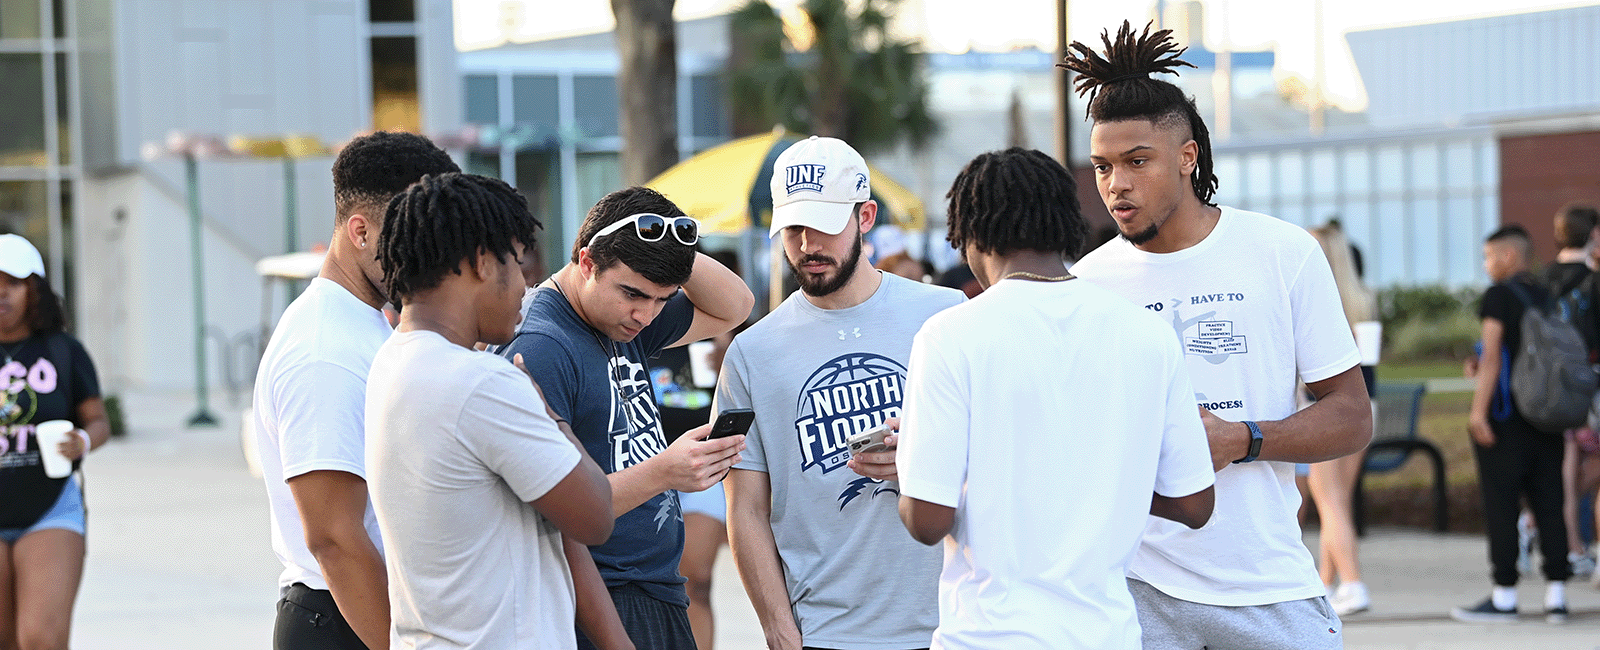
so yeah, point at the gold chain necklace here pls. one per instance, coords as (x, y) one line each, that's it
(1036, 277)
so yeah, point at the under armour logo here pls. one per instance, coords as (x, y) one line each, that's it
(843, 334)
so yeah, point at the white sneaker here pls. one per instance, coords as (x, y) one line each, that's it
(1351, 598)
(1582, 565)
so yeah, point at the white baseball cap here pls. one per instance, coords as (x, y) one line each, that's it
(816, 183)
(18, 258)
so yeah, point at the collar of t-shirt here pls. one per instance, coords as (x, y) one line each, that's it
(1218, 233)
(878, 297)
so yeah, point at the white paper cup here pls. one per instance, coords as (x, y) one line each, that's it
(50, 435)
(1369, 340)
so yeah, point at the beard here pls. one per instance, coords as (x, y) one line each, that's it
(1144, 235)
(820, 284)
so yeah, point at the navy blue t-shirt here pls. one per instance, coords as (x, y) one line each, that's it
(602, 388)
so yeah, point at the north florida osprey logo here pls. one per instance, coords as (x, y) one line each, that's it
(856, 487)
(847, 395)
(806, 177)
(861, 181)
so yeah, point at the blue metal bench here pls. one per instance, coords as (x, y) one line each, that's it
(1394, 439)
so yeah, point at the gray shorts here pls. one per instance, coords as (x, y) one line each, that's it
(1173, 624)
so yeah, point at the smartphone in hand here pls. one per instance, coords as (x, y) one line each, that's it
(732, 422)
(870, 441)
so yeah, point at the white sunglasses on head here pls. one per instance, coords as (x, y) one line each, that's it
(654, 227)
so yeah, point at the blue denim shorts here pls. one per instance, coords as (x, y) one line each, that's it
(66, 514)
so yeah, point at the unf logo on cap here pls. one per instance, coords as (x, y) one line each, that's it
(804, 177)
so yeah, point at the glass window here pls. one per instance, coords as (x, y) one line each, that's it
(66, 284)
(483, 99)
(598, 175)
(1291, 175)
(1424, 166)
(1357, 164)
(1230, 183)
(483, 164)
(596, 102)
(536, 101)
(1389, 264)
(1390, 173)
(1256, 181)
(23, 211)
(58, 8)
(710, 118)
(63, 114)
(539, 179)
(1424, 252)
(391, 11)
(20, 19)
(1325, 181)
(394, 84)
(1458, 165)
(22, 113)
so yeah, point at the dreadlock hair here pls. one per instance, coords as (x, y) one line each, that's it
(1120, 88)
(373, 168)
(433, 226)
(666, 262)
(1017, 199)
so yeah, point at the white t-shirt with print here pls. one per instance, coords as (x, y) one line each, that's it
(458, 443)
(1046, 414)
(1255, 308)
(310, 396)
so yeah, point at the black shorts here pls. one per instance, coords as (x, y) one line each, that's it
(309, 620)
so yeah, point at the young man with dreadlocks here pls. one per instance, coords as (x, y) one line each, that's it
(812, 527)
(475, 482)
(587, 333)
(1024, 385)
(308, 411)
(1253, 302)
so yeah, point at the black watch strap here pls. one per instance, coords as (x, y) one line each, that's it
(1255, 443)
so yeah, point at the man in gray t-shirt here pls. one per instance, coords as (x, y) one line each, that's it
(815, 533)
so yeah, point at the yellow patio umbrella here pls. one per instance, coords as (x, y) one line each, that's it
(725, 185)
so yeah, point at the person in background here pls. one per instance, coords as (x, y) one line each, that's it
(1254, 303)
(1580, 465)
(986, 446)
(309, 397)
(1333, 482)
(48, 376)
(1514, 459)
(475, 483)
(903, 265)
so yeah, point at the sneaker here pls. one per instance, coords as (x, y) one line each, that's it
(1350, 598)
(1582, 565)
(1556, 615)
(1484, 612)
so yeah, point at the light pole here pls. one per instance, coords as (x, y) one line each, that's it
(202, 416)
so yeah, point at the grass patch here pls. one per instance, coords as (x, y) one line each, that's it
(1413, 371)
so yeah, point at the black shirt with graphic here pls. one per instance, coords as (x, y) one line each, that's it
(43, 377)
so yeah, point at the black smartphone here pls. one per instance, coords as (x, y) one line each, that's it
(732, 422)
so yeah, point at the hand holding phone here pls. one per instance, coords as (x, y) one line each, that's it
(732, 422)
(870, 441)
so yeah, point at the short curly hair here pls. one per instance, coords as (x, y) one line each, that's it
(1017, 199)
(435, 224)
(375, 167)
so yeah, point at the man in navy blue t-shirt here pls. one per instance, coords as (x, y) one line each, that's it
(585, 337)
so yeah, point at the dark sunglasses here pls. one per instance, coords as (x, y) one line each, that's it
(654, 227)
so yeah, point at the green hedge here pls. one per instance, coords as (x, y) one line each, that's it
(1422, 323)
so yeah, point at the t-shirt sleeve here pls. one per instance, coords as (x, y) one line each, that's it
(551, 366)
(734, 393)
(85, 381)
(934, 431)
(1324, 345)
(321, 413)
(1501, 304)
(504, 424)
(669, 326)
(1184, 467)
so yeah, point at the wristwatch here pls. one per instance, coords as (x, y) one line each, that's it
(1255, 443)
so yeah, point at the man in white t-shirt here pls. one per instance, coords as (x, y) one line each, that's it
(1253, 304)
(812, 527)
(1042, 378)
(474, 479)
(309, 396)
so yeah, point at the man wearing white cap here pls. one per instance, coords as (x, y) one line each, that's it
(814, 531)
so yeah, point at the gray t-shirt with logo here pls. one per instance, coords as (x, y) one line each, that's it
(814, 377)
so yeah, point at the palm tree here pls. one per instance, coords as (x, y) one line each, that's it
(647, 87)
(854, 81)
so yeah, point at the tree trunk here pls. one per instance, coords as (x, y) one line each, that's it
(647, 87)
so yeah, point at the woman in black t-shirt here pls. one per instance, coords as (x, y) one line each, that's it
(45, 375)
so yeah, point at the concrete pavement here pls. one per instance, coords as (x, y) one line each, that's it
(179, 559)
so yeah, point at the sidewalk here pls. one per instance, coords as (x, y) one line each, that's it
(179, 559)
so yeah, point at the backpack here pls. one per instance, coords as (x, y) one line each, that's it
(1552, 381)
(1579, 304)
